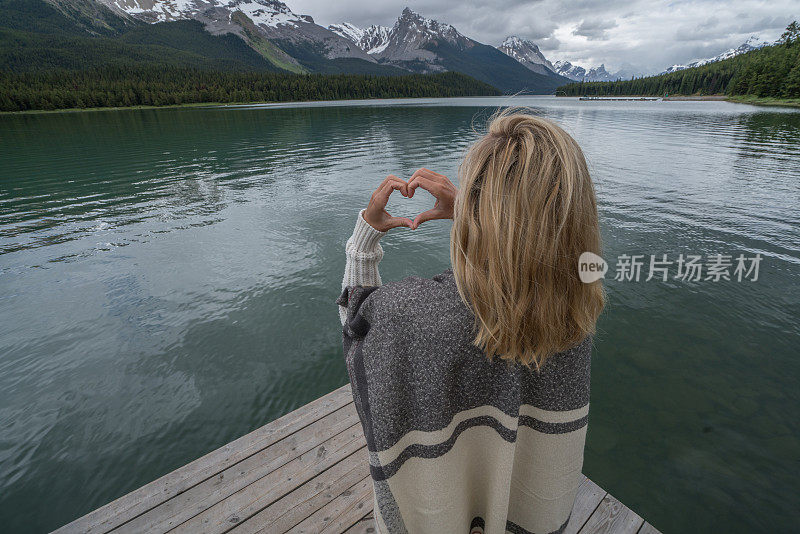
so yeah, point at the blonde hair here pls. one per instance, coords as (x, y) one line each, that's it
(524, 213)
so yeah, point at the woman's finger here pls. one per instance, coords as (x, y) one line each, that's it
(399, 181)
(382, 195)
(431, 175)
(434, 188)
(394, 222)
(431, 214)
(417, 173)
(390, 178)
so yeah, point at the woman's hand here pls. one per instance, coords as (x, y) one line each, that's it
(376, 214)
(440, 187)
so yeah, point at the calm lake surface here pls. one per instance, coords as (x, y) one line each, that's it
(168, 277)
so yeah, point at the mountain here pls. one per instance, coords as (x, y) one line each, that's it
(348, 31)
(568, 70)
(753, 43)
(413, 40)
(595, 74)
(372, 40)
(423, 45)
(278, 39)
(600, 74)
(61, 54)
(289, 41)
(41, 36)
(527, 52)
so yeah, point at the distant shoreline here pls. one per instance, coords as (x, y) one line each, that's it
(697, 97)
(125, 108)
(227, 104)
(736, 99)
(765, 101)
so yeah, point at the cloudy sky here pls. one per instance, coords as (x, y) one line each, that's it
(642, 35)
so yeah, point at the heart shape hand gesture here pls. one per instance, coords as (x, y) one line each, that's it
(436, 184)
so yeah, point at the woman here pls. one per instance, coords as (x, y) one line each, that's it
(473, 386)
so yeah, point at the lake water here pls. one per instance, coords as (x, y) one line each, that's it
(168, 277)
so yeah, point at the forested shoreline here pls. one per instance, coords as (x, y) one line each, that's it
(125, 86)
(769, 72)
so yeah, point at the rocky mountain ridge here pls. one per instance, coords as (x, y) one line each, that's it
(753, 43)
(421, 44)
(527, 52)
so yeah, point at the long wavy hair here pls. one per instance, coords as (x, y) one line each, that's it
(525, 211)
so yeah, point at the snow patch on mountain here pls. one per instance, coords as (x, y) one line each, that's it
(434, 28)
(263, 12)
(372, 40)
(376, 39)
(753, 43)
(271, 13)
(348, 31)
(568, 70)
(526, 52)
(408, 43)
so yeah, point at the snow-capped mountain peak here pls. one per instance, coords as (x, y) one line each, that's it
(416, 21)
(594, 74)
(413, 27)
(375, 39)
(348, 31)
(407, 40)
(270, 13)
(568, 70)
(526, 52)
(253, 20)
(372, 40)
(267, 12)
(752, 43)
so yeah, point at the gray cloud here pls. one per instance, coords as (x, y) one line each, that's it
(548, 43)
(709, 23)
(644, 35)
(595, 30)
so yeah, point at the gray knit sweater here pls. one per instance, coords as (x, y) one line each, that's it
(457, 443)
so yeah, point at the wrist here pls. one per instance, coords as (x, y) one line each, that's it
(365, 236)
(375, 225)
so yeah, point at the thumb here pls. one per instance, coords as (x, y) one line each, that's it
(425, 216)
(394, 222)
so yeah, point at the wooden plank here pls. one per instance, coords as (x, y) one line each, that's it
(365, 526)
(250, 500)
(589, 496)
(647, 528)
(199, 498)
(149, 496)
(341, 513)
(302, 502)
(306, 472)
(612, 517)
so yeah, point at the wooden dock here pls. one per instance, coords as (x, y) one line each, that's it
(306, 472)
(620, 99)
